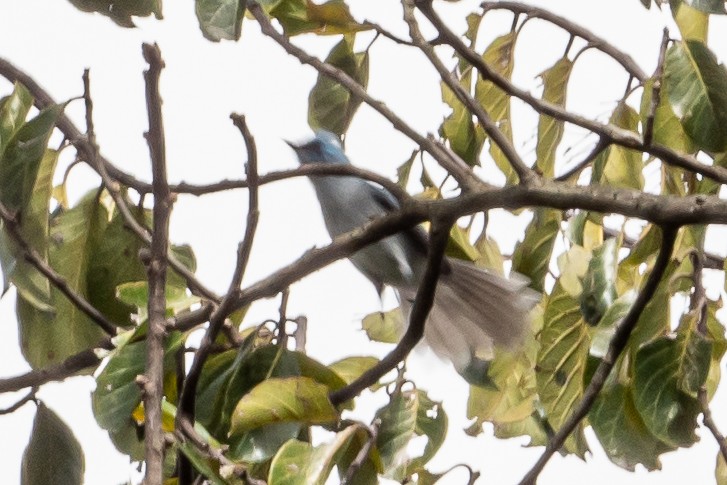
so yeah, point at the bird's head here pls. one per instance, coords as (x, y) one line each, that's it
(324, 148)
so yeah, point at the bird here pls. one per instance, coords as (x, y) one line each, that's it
(474, 309)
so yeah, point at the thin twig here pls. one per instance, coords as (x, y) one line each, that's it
(597, 149)
(574, 29)
(525, 173)
(12, 227)
(615, 348)
(227, 306)
(88, 101)
(30, 396)
(656, 90)
(157, 272)
(363, 453)
(609, 132)
(382, 31)
(85, 359)
(439, 235)
(448, 160)
(698, 304)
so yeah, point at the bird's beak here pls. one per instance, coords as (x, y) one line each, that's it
(292, 145)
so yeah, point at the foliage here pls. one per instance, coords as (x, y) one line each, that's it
(257, 401)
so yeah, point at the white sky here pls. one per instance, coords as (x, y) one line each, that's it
(202, 83)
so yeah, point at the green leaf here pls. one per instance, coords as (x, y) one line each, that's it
(48, 338)
(32, 286)
(532, 255)
(351, 368)
(225, 380)
(561, 363)
(281, 400)
(117, 394)
(121, 12)
(622, 433)
(330, 105)
(300, 463)
(720, 471)
(53, 454)
(618, 166)
(550, 130)
(599, 288)
(662, 370)
(697, 91)
(409, 414)
(304, 16)
(693, 24)
(403, 171)
(707, 6)
(136, 293)
(387, 327)
(667, 130)
(499, 56)
(13, 111)
(459, 245)
(465, 137)
(22, 157)
(220, 19)
(512, 396)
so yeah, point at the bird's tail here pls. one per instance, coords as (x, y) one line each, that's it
(473, 310)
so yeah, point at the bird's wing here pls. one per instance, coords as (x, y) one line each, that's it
(416, 235)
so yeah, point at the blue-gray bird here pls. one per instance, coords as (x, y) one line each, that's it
(473, 307)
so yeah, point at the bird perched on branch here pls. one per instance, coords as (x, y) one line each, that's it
(473, 308)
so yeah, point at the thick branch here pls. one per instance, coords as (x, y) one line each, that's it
(574, 29)
(608, 132)
(153, 384)
(615, 348)
(439, 235)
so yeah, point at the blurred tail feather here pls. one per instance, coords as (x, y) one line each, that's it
(473, 310)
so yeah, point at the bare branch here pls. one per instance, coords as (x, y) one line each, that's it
(597, 149)
(227, 306)
(448, 160)
(574, 29)
(83, 360)
(30, 396)
(608, 132)
(31, 255)
(157, 272)
(615, 347)
(439, 235)
(525, 173)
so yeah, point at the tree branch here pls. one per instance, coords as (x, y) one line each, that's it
(615, 348)
(525, 173)
(656, 90)
(31, 255)
(574, 29)
(35, 378)
(227, 306)
(608, 132)
(439, 235)
(153, 383)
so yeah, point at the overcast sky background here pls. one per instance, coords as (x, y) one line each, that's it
(202, 83)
